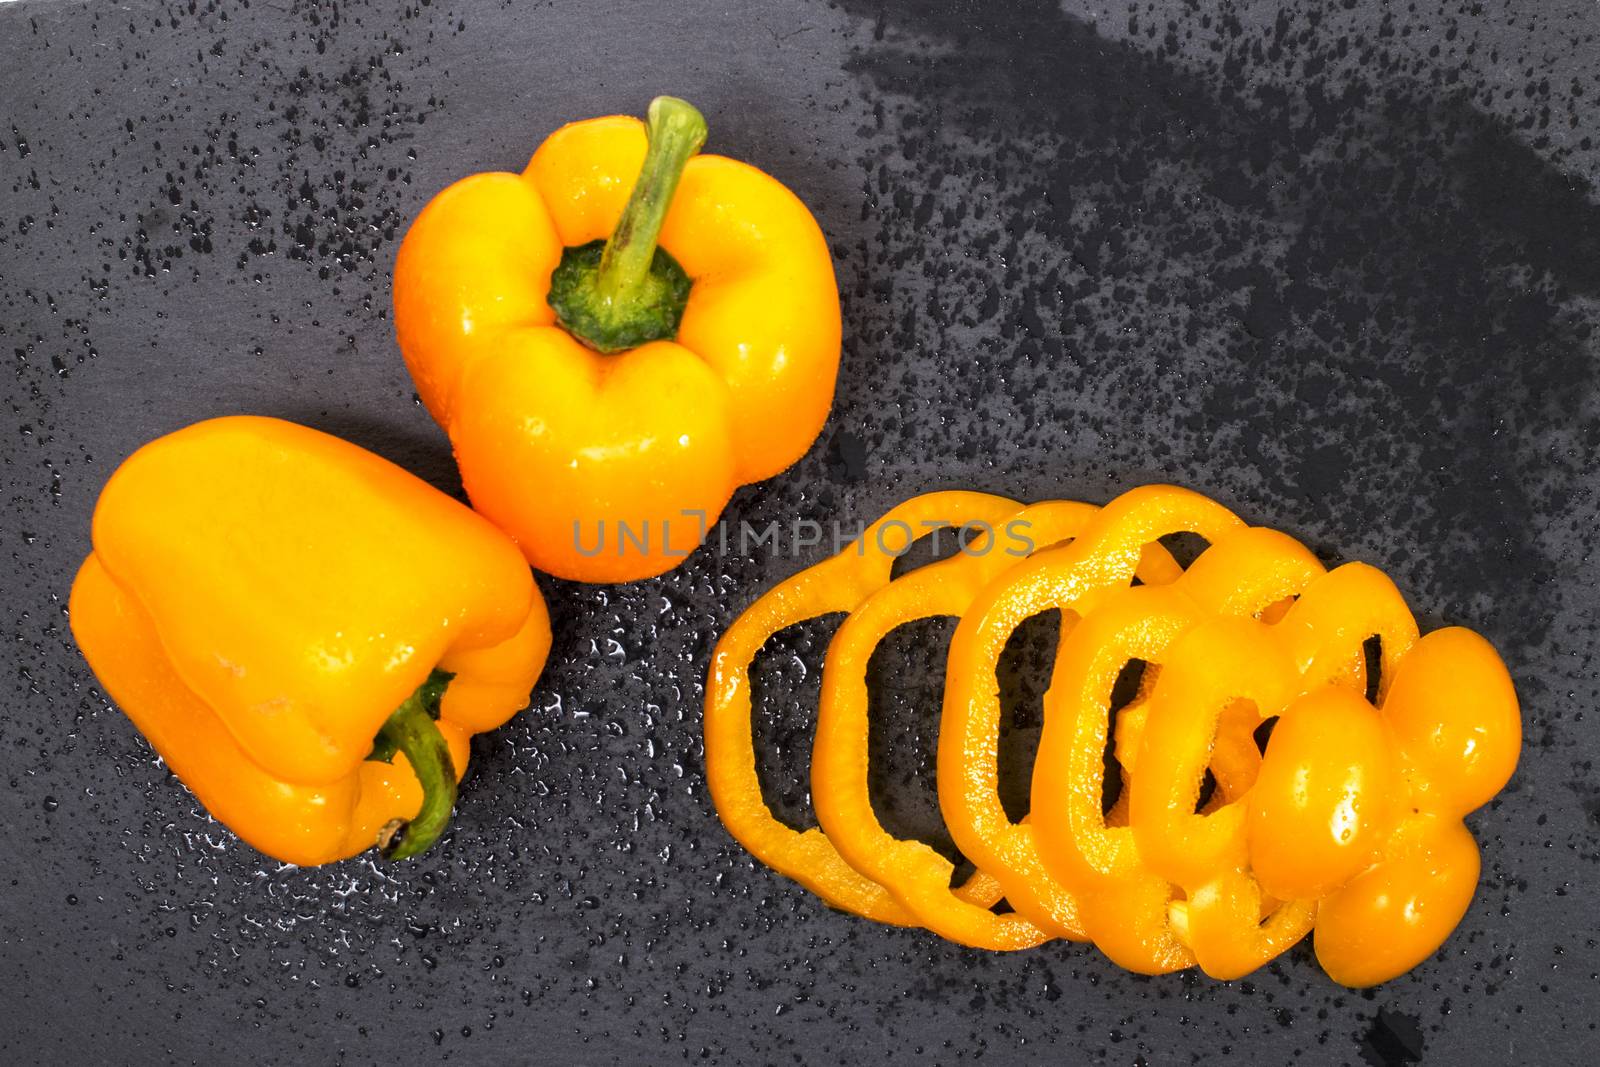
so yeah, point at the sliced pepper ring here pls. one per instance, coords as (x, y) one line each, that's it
(835, 585)
(1322, 635)
(1123, 903)
(1328, 626)
(1348, 823)
(1231, 925)
(1246, 573)
(1104, 557)
(918, 876)
(1224, 919)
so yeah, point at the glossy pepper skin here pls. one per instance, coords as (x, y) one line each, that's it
(262, 601)
(562, 437)
(1454, 722)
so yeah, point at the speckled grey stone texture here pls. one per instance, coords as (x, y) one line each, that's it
(1336, 264)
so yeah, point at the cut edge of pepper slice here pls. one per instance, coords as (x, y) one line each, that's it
(1131, 911)
(1124, 905)
(918, 876)
(1106, 555)
(837, 584)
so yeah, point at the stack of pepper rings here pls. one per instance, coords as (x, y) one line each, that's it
(1347, 824)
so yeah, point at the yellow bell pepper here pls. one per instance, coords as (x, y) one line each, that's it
(618, 337)
(306, 634)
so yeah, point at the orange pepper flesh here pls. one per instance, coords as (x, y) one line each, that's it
(1217, 662)
(1125, 904)
(917, 875)
(1348, 824)
(1317, 643)
(261, 597)
(1452, 713)
(1103, 558)
(560, 444)
(835, 585)
(1322, 815)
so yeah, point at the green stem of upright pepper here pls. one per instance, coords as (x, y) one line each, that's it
(676, 131)
(411, 729)
(627, 291)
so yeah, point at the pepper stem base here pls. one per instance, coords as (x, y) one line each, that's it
(411, 729)
(627, 291)
(650, 311)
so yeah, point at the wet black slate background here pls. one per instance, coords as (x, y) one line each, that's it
(1337, 267)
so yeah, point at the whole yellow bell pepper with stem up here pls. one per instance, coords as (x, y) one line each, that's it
(618, 337)
(307, 634)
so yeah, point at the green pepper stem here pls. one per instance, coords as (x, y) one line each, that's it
(676, 131)
(627, 291)
(411, 729)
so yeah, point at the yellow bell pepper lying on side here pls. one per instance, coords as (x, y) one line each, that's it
(307, 634)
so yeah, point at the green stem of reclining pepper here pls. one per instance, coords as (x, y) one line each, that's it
(627, 291)
(411, 729)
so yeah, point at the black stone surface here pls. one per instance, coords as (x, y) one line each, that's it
(1336, 264)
